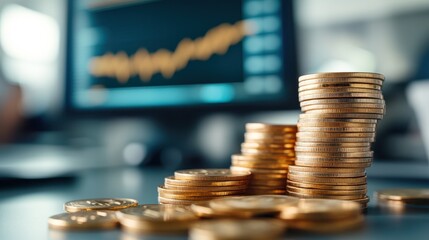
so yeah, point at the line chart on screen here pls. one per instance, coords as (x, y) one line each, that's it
(145, 65)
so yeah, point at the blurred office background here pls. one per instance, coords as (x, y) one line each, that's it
(386, 36)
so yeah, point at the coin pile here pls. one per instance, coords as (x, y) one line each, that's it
(196, 185)
(323, 215)
(90, 214)
(335, 132)
(267, 152)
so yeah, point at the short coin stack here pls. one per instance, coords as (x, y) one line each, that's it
(335, 132)
(267, 152)
(196, 185)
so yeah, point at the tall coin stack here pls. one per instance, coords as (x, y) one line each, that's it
(196, 185)
(267, 152)
(335, 132)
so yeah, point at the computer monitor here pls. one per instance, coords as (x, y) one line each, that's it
(146, 54)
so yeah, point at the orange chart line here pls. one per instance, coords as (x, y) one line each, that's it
(144, 64)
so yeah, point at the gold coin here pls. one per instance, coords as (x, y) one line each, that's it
(331, 164)
(252, 187)
(333, 159)
(411, 195)
(327, 174)
(253, 204)
(288, 153)
(170, 201)
(325, 191)
(211, 174)
(271, 183)
(335, 135)
(326, 170)
(186, 189)
(84, 220)
(342, 105)
(339, 85)
(342, 225)
(326, 187)
(207, 193)
(139, 227)
(270, 141)
(264, 176)
(337, 90)
(321, 209)
(341, 115)
(204, 210)
(337, 101)
(157, 213)
(347, 110)
(157, 218)
(266, 192)
(332, 149)
(333, 145)
(198, 196)
(172, 181)
(260, 135)
(336, 140)
(342, 75)
(238, 229)
(99, 204)
(267, 145)
(336, 125)
(318, 119)
(263, 127)
(340, 95)
(254, 170)
(261, 165)
(338, 197)
(340, 81)
(362, 201)
(277, 158)
(328, 181)
(337, 129)
(337, 154)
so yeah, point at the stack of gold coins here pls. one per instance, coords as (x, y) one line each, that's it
(335, 132)
(155, 218)
(323, 215)
(267, 152)
(195, 185)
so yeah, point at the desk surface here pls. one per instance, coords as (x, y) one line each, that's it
(24, 211)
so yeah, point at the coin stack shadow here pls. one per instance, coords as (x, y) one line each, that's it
(192, 186)
(335, 132)
(267, 152)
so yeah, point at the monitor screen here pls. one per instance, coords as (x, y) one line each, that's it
(164, 53)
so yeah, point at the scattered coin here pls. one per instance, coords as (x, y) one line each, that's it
(99, 204)
(157, 218)
(405, 195)
(255, 205)
(84, 220)
(321, 209)
(238, 229)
